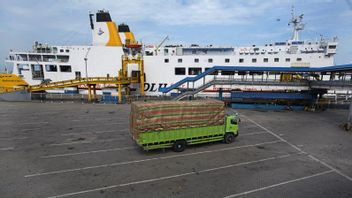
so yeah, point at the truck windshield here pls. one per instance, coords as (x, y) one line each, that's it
(233, 121)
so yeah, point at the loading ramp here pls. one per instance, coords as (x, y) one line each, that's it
(91, 83)
(287, 76)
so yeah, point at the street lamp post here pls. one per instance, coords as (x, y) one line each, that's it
(85, 61)
(349, 119)
(86, 67)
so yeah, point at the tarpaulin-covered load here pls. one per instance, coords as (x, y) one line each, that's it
(168, 115)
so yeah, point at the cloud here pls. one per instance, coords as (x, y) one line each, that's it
(16, 10)
(268, 36)
(193, 12)
(185, 21)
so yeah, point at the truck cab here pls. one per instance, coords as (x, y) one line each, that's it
(231, 125)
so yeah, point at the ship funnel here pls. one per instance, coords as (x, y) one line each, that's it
(126, 35)
(104, 30)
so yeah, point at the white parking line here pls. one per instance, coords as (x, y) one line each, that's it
(110, 118)
(171, 176)
(89, 152)
(21, 130)
(254, 133)
(32, 129)
(84, 133)
(279, 184)
(149, 159)
(248, 126)
(12, 138)
(6, 123)
(7, 149)
(92, 125)
(116, 149)
(86, 142)
(95, 119)
(298, 149)
(23, 123)
(26, 123)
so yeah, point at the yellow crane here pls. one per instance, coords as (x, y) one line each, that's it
(11, 82)
(161, 43)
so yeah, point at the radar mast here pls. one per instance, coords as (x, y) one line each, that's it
(297, 25)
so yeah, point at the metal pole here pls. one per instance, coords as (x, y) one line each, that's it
(94, 92)
(89, 94)
(86, 67)
(141, 75)
(119, 93)
(89, 91)
(349, 119)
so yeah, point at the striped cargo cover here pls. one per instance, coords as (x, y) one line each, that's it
(169, 115)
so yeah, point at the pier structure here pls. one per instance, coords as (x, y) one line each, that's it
(247, 82)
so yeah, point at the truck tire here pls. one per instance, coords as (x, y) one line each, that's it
(229, 138)
(179, 146)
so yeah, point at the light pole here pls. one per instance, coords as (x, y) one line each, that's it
(349, 119)
(86, 66)
(85, 60)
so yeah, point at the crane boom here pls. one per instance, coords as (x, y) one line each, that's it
(161, 43)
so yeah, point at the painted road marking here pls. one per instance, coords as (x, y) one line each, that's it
(172, 176)
(92, 125)
(279, 184)
(14, 138)
(86, 142)
(149, 159)
(254, 133)
(298, 149)
(96, 119)
(20, 124)
(89, 152)
(32, 129)
(22, 130)
(7, 149)
(116, 149)
(33, 123)
(92, 132)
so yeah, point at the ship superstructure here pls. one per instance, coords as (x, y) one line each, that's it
(164, 65)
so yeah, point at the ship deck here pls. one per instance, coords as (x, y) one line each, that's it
(85, 150)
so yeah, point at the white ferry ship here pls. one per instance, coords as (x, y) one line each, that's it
(164, 65)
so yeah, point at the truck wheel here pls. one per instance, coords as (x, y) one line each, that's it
(229, 138)
(179, 146)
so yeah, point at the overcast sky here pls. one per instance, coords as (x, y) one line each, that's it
(219, 22)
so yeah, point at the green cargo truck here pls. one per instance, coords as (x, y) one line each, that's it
(177, 124)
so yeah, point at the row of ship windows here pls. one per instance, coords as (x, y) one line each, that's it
(48, 68)
(53, 68)
(198, 70)
(241, 60)
(37, 58)
(62, 50)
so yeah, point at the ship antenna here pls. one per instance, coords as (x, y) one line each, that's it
(297, 25)
(292, 12)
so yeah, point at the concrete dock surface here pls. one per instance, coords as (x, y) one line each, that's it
(85, 150)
